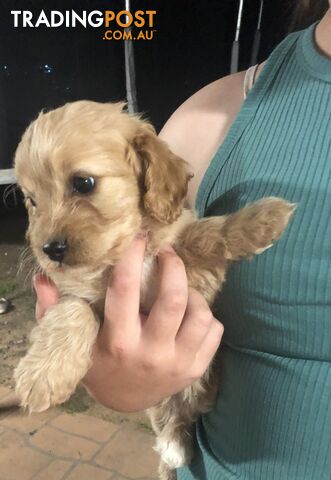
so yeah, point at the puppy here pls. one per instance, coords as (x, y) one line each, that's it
(93, 178)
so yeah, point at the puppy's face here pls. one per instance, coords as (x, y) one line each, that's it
(92, 176)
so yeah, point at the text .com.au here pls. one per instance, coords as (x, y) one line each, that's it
(115, 25)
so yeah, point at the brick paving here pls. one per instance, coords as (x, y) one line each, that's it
(59, 446)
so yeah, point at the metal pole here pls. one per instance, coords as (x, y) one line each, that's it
(235, 45)
(130, 70)
(257, 37)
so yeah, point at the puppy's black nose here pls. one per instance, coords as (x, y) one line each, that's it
(55, 250)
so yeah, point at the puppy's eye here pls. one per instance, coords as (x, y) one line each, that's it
(83, 184)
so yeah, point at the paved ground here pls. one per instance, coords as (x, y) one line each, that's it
(57, 445)
(79, 441)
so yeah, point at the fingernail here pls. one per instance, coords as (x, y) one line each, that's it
(34, 282)
(38, 313)
(38, 279)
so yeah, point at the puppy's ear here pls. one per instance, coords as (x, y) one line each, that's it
(165, 176)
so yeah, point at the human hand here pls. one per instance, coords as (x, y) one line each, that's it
(139, 360)
(47, 295)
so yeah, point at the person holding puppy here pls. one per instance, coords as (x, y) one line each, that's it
(272, 418)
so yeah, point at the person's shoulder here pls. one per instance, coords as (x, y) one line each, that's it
(208, 104)
(197, 128)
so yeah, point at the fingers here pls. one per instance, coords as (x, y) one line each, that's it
(200, 334)
(168, 310)
(196, 323)
(123, 293)
(47, 294)
(209, 346)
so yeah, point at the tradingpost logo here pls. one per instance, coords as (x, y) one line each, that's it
(122, 25)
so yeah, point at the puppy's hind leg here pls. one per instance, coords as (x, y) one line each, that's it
(59, 357)
(172, 421)
(166, 473)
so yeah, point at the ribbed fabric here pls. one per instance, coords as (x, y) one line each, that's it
(272, 419)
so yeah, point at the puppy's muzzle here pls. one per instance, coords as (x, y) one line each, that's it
(55, 250)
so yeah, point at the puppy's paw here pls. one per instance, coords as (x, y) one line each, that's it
(256, 227)
(38, 387)
(269, 218)
(174, 453)
(59, 357)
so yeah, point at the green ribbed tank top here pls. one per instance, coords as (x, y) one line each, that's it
(272, 418)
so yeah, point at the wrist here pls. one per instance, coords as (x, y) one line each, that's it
(123, 402)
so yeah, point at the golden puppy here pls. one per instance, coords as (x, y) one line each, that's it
(93, 178)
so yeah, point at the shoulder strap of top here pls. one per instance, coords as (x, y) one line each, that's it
(249, 79)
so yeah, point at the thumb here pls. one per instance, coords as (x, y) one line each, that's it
(47, 294)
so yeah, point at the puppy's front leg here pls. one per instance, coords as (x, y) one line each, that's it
(208, 246)
(59, 356)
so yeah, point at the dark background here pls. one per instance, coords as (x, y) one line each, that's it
(44, 68)
(192, 47)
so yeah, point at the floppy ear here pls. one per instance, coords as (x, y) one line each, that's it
(164, 176)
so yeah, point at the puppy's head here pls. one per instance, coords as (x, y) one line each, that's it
(92, 176)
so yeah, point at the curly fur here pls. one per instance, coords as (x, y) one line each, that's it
(140, 188)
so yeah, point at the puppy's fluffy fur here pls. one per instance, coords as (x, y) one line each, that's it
(140, 188)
